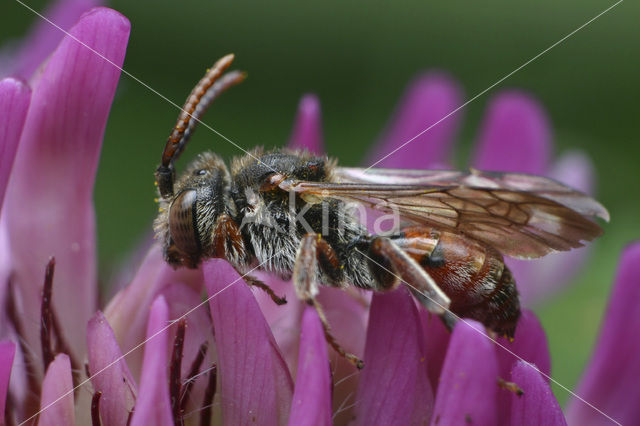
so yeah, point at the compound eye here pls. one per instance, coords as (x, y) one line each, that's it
(182, 223)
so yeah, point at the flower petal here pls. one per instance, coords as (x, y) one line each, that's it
(515, 135)
(49, 201)
(424, 110)
(56, 403)
(610, 381)
(7, 352)
(109, 372)
(575, 169)
(538, 405)
(127, 311)
(437, 339)
(347, 311)
(539, 279)
(153, 406)
(529, 344)
(307, 129)
(467, 391)
(312, 395)
(14, 101)
(255, 384)
(44, 37)
(284, 320)
(394, 386)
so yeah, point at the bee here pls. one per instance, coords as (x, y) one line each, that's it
(288, 213)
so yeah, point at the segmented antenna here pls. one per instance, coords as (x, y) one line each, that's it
(203, 94)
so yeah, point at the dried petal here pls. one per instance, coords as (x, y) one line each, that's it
(56, 403)
(255, 384)
(307, 129)
(312, 395)
(394, 385)
(51, 187)
(110, 374)
(153, 406)
(426, 110)
(537, 406)
(610, 381)
(468, 386)
(515, 136)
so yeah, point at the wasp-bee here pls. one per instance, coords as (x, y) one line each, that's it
(287, 211)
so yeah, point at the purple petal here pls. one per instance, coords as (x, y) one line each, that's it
(153, 406)
(255, 384)
(575, 169)
(127, 312)
(312, 395)
(537, 406)
(14, 101)
(182, 300)
(109, 372)
(529, 344)
(347, 311)
(56, 402)
(610, 381)
(7, 352)
(284, 320)
(426, 104)
(515, 135)
(437, 341)
(394, 386)
(468, 383)
(539, 279)
(307, 130)
(61, 140)
(44, 37)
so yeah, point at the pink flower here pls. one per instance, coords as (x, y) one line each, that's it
(54, 124)
(238, 357)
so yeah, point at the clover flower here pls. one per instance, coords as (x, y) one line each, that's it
(156, 355)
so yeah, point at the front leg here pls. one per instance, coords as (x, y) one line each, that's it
(315, 252)
(253, 281)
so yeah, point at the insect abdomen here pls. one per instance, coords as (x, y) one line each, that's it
(471, 274)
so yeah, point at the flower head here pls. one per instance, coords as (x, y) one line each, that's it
(158, 354)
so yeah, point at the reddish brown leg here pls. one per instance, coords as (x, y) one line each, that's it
(312, 253)
(391, 265)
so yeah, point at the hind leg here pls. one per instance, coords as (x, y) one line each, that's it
(391, 266)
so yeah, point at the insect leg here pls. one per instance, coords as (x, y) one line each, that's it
(312, 253)
(388, 262)
(253, 281)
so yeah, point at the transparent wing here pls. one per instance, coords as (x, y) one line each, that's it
(522, 216)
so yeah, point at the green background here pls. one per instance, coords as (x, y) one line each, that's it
(358, 57)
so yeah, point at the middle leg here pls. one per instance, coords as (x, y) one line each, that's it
(314, 253)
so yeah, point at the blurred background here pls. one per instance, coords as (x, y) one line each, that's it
(358, 57)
